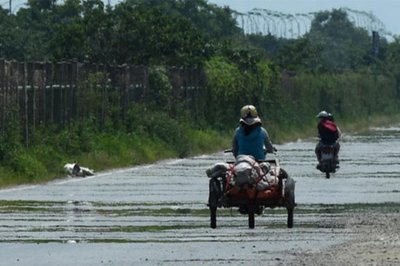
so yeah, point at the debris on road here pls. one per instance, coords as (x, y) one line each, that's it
(76, 170)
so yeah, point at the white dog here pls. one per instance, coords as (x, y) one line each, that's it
(75, 170)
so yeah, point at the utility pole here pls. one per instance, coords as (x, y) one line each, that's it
(10, 6)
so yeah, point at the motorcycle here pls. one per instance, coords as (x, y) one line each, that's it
(328, 164)
(252, 197)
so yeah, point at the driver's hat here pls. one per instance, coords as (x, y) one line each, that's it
(249, 115)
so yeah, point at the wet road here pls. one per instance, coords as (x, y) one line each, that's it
(157, 214)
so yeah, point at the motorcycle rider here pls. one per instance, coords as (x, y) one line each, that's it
(250, 137)
(328, 133)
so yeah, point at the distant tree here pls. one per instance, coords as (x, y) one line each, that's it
(32, 26)
(67, 35)
(9, 39)
(98, 29)
(340, 44)
(42, 4)
(269, 43)
(159, 34)
(392, 62)
(299, 54)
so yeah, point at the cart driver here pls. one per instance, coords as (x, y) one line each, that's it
(250, 137)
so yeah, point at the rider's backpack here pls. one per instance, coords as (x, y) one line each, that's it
(328, 132)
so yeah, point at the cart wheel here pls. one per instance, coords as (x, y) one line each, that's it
(213, 217)
(290, 218)
(290, 202)
(251, 215)
(213, 197)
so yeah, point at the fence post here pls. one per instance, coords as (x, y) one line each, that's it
(2, 84)
(49, 70)
(26, 128)
(43, 88)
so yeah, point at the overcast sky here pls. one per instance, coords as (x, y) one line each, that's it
(388, 11)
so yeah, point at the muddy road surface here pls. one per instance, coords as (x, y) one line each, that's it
(157, 214)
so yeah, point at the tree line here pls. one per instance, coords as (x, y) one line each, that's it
(335, 66)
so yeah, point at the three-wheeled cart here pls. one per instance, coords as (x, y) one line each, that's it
(249, 200)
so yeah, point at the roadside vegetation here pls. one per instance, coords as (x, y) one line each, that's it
(332, 67)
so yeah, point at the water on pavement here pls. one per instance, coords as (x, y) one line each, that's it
(157, 214)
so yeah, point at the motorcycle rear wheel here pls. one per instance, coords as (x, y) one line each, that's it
(327, 174)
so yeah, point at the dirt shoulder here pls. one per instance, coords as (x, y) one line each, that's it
(376, 242)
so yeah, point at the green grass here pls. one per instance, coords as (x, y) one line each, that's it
(44, 160)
